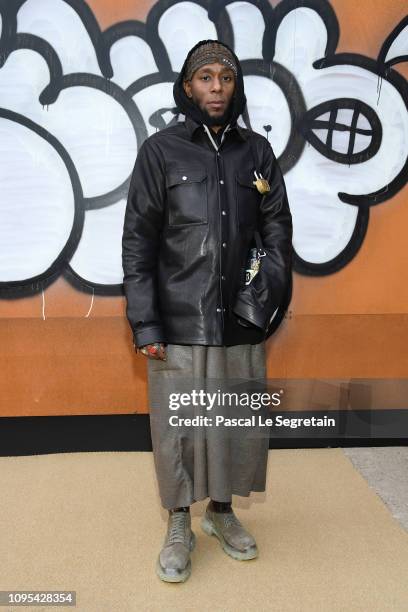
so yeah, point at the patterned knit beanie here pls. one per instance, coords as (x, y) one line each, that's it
(210, 53)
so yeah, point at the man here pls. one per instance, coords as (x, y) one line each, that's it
(192, 211)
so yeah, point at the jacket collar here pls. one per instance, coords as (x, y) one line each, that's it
(192, 126)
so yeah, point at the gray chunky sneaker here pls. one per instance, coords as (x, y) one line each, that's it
(234, 539)
(173, 563)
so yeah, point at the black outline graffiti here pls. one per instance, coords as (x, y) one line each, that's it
(387, 45)
(10, 9)
(311, 122)
(325, 11)
(221, 23)
(302, 119)
(113, 90)
(219, 16)
(286, 81)
(35, 284)
(346, 255)
(401, 85)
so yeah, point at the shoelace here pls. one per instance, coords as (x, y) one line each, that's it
(177, 531)
(231, 519)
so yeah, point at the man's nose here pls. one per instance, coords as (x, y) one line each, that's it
(216, 85)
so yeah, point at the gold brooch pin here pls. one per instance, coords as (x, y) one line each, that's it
(261, 184)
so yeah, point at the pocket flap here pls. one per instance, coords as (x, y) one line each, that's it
(246, 179)
(178, 177)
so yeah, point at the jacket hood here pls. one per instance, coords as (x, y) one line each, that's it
(185, 104)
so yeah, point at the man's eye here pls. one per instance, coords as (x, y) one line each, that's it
(205, 77)
(227, 78)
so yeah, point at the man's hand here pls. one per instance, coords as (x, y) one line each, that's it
(157, 350)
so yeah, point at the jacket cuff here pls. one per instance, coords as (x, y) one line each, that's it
(247, 312)
(244, 323)
(148, 335)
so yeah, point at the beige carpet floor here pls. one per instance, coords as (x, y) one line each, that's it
(92, 522)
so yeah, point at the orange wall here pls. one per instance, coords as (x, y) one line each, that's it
(349, 324)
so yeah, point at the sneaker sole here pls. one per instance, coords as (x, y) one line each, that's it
(210, 529)
(173, 575)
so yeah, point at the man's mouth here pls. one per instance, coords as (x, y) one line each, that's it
(216, 104)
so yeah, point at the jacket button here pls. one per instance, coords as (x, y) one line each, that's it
(184, 178)
(221, 182)
(222, 277)
(218, 309)
(224, 309)
(224, 244)
(223, 212)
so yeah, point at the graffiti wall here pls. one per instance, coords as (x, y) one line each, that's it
(82, 84)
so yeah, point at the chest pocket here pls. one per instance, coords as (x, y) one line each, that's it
(248, 199)
(187, 197)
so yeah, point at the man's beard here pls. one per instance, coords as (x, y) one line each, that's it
(220, 119)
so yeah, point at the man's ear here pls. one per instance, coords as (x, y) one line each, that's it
(187, 88)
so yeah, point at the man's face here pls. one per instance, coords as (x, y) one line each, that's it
(211, 88)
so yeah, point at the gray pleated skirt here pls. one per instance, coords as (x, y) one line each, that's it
(206, 463)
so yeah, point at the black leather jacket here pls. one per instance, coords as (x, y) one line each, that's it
(189, 223)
